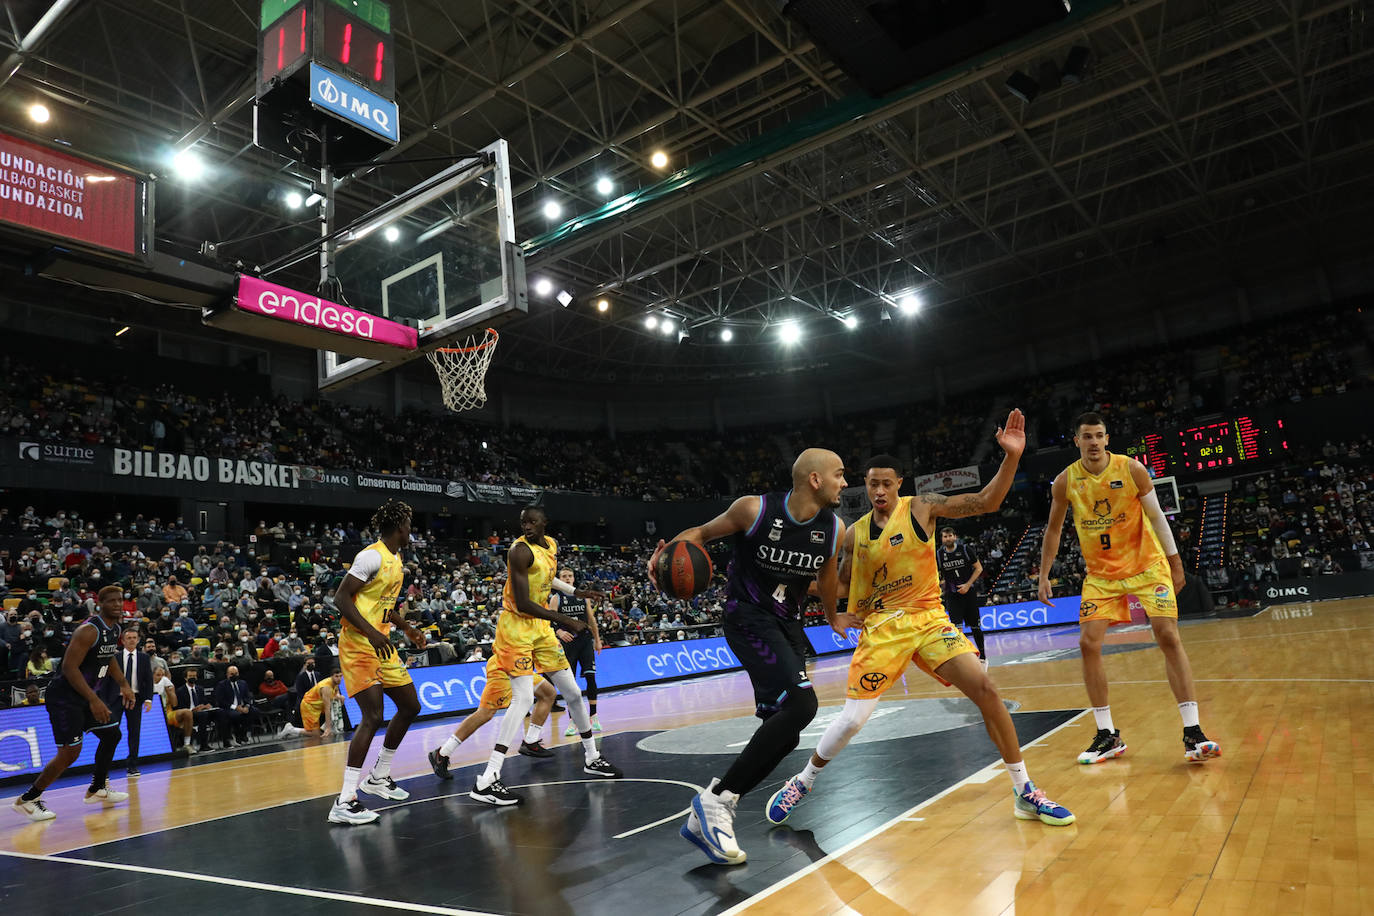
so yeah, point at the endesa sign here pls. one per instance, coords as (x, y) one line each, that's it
(73, 199)
(283, 304)
(26, 743)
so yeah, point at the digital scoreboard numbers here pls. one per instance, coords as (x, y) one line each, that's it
(326, 68)
(1227, 443)
(1151, 451)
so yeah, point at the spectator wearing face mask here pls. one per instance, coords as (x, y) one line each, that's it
(174, 593)
(154, 658)
(192, 696)
(187, 626)
(30, 603)
(149, 602)
(293, 645)
(275, 692)
(272, 646)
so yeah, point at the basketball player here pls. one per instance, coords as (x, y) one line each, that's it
(782, 543)
(580, 648)
(1111, 497)
(889, 567)
(959, 569)
(525, 643)
(317, 708)
(88, 697)
(367, 599)
(496, 697)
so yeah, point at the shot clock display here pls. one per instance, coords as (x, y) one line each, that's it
(1215, 446)
(350, 37)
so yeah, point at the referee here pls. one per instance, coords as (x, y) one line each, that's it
(959, 570)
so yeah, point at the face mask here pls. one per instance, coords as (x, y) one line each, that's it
(233, 677)
(166, 614)
(191, 680)
(67, 618)
(47, 632)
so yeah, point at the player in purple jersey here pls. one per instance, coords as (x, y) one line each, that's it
(782, 543)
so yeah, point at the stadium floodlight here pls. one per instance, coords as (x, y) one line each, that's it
(666, 326)
(391, 233)
(122, 331)
(294, 200)
(564, 298)
(604, 186)
(659, 159)
(850, 322)
(543, 286)
(313, 199)
(552, 209)
(188, 165)
(909, 304)
(727, 335)
(602, 305)
(38, 113)
(651, 321)
(790, 332)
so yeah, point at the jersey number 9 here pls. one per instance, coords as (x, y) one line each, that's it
(1105, 540)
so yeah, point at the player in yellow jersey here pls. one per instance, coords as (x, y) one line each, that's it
(317, 708)
(367, 598)
(888, 565)
(525, 643)
(496, 696)
(1111, 497)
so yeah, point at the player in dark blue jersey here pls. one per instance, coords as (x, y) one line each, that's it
(783, 542)
(960, 568)
(88, 697)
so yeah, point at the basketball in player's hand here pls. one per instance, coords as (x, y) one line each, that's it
(683, 570)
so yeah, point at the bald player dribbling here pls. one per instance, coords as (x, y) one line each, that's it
(782, 543)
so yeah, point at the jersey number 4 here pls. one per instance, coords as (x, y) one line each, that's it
(780, 594)
(1105, 540)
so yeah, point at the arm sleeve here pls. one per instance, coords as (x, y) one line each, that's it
(366, 565)
(562, 587)
(1150, 503)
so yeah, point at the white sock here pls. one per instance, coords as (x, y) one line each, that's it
(350, 784)
(1018, 774)
(450, 745)
(1188, 710)
(382, 768)
(589, 749)
(1103, 715)
(808, 774)
(493, 770)
(534, 733)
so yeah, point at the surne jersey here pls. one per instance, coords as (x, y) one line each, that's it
(377, 597)
(895, 570)
(541, 573)
(776, 560)
(1116, 538)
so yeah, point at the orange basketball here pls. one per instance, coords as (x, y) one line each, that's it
(683, 569)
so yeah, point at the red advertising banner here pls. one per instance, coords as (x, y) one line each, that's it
(71, 198)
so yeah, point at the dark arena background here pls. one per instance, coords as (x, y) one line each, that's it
(266, 264)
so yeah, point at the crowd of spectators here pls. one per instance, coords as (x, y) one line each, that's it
(1157, 388)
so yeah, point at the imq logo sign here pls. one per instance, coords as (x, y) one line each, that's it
(353, 103)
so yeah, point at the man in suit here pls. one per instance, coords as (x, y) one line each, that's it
(233, 696)
(305, 681)
(138, 671)
(192, 696)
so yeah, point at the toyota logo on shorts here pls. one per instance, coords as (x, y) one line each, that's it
(524, 664)
(872, 681)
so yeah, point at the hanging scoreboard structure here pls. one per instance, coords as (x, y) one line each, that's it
(326, 81)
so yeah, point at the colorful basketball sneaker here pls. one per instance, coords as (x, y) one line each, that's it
(1105, 746)
(784, 800)
(1032, 805)
(1197, 747)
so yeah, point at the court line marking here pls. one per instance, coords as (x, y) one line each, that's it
(904, 816)
(696, 789)
(254, 885)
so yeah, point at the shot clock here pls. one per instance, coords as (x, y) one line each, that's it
(347, 42)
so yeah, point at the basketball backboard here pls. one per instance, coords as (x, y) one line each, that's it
(441, 255)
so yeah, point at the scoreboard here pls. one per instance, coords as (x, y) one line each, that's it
(1226, 444)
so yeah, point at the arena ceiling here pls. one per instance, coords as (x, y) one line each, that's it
(1207, 139)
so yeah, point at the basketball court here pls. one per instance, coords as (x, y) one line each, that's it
(912, 817)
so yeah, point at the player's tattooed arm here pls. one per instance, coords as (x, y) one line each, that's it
(1012, 439)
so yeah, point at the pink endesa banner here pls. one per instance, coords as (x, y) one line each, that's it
(273, 301)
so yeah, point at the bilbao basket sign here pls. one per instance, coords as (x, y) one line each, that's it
(73, 199)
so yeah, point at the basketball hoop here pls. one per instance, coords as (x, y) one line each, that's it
(463, 370)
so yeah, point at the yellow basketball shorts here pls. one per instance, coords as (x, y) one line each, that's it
(496, 695)
(1109, 599)
(891, 638)
(311, 713)
(525, 645)
(363, 669)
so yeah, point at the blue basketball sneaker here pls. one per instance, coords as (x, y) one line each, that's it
(1032, 805)
(784, 800)
(710, 826)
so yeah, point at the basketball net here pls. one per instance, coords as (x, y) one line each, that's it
(463, 370)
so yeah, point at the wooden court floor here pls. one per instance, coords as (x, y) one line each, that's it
(1282, 823)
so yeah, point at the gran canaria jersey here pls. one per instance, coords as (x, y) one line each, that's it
(1116, 538)
(895, 570)
(382, 573)
(540, 575)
